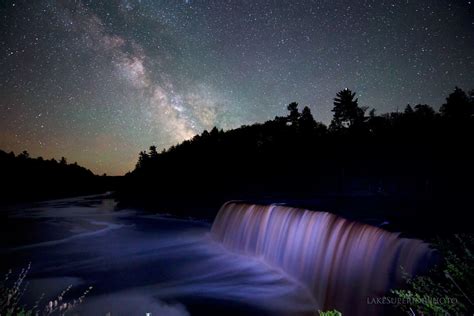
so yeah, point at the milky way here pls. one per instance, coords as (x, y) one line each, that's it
(98, 81)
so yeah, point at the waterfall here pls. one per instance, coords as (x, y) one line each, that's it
(342, 263)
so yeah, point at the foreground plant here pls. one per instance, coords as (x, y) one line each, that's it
(12, 291)
(448, 289)
(330, 313)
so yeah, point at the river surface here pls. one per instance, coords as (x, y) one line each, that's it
(138, 263)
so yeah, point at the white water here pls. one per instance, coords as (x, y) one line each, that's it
(139, 263)
(341, 262)
(274, 259)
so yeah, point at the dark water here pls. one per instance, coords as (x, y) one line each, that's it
(139, 263)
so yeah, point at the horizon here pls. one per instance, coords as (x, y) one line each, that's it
(99, 82)
(99, 173)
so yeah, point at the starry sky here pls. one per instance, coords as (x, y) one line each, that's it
(98, 81)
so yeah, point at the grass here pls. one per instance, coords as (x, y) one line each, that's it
(12, 290)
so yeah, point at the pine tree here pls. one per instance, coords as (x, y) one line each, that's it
(306, 121)
(457, 105)
(294, 115)
(347, 112)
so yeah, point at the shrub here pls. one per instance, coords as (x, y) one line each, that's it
(330, 313)
(448, 288)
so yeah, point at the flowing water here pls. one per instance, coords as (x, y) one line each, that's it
(254, 260)
(341, 262)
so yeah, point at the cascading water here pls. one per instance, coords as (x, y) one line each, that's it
(342, 263)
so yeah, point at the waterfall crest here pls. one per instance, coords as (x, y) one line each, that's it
(341, 262)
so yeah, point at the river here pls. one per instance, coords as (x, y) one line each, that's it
(138, 263)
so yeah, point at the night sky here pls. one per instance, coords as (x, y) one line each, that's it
(98, 81)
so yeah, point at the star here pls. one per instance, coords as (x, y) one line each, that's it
(98, 82)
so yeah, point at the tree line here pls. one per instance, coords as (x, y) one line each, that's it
(418, 153)
(27, 179)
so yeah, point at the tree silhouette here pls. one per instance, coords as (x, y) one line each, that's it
(408, 110)
(24, 155)
(294, 115)
(306, 121)
(143, 159)
(31, 178)
(424, 111)
(411, 153)
(458, 105)
(153, 153)
(214, 132)
(347, 112)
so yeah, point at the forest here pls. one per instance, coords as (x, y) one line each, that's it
(27, 179)
(412, 162)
